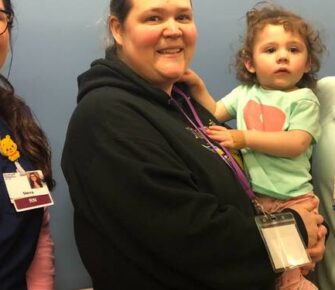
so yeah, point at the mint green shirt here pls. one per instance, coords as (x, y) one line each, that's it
(270, 110)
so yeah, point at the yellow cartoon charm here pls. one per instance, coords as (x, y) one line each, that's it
(9, 148)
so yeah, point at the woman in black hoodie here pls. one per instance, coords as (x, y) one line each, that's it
(155, 206)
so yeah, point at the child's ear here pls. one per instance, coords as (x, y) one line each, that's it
(249, 65)
(308, 65)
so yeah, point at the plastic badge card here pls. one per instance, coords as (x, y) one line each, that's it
(282, 240)
(27, 191)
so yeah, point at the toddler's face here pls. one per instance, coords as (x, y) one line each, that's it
(280, 58)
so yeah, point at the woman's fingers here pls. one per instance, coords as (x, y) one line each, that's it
(311, 221)
(322, 231)
(307, 268)
(316, 253)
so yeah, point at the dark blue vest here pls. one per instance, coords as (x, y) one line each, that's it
(19, 231)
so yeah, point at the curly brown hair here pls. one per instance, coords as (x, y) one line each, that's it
(265, 13)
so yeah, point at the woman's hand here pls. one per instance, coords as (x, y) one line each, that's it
(311, 219)
(316, 253)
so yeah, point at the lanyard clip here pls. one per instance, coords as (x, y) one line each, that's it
(260, 210)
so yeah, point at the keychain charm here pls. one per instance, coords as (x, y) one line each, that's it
(8, 148)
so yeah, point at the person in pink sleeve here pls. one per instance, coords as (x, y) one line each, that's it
(26, 248)
(41, 273)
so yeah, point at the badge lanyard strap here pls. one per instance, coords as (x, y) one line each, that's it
(19, 168)
(230, 161)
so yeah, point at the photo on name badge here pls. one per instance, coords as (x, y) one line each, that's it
(35, 179)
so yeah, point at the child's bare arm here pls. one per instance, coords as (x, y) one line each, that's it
(282, 144)
(221, 113)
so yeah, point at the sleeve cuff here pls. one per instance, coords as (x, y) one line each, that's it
(300, 225)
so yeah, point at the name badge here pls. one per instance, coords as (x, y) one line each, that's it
(283, 241)
(27, 190)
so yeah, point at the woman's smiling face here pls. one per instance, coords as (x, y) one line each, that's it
(157, 40)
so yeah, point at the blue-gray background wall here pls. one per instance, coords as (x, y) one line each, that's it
(55, 40)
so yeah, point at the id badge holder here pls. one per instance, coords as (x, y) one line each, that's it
(283, 241)
(26, 195)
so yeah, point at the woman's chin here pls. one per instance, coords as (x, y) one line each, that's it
(173, 75)
(172, 70)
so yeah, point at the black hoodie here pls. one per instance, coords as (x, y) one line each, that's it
(154, 208)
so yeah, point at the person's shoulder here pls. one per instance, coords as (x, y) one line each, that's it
(105, 94)
(325, 90)
(241, 90)
(244, 88)
(326, 83)
(105, 97)
(305, 94)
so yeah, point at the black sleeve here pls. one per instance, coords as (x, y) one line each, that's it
(300, 224)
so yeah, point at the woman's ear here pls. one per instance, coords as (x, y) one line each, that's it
(115, 29)
(249, 65)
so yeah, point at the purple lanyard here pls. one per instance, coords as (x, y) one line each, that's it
(225, 155)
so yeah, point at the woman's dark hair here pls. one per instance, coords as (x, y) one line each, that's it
(265, 13)
(120, 9)
(8, 7)
(28, 136)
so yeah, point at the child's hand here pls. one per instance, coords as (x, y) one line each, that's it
(195, 83)
(191, 79)
(233, 139)
(198, 90)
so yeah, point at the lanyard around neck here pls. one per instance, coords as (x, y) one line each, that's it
(224, 153)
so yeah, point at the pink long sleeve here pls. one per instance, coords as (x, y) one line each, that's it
(41, 273)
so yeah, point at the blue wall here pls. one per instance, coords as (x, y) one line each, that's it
(54, 41)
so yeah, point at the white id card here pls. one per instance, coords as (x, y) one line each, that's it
(282, 240)
(27, 191)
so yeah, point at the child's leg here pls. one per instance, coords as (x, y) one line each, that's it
(294, 280)
(275, 205)
(41, 273)
(290, 279)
